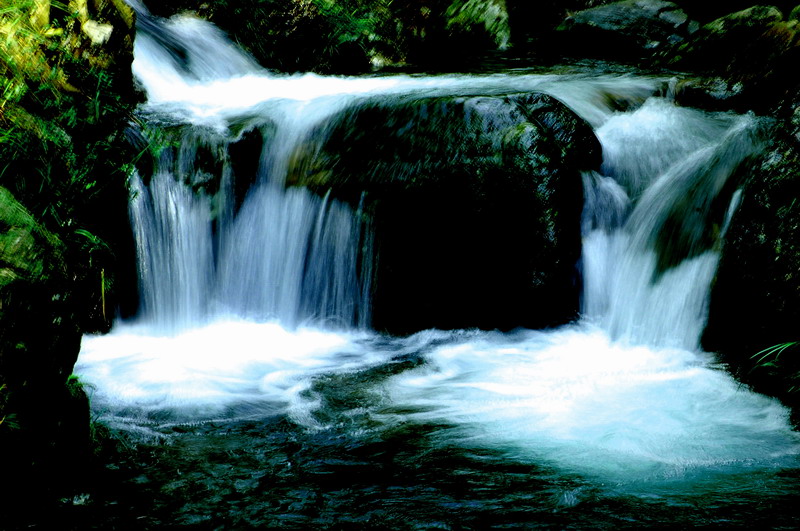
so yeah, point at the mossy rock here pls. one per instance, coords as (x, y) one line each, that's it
(754, 52)
(474, 203)
(625, 30)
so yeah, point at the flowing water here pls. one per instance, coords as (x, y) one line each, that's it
(254, 394)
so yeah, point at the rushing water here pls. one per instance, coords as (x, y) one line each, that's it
(255, 395)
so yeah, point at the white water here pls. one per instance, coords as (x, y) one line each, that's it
(625, 394)
(589, 405)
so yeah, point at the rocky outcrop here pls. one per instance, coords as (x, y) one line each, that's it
(755, 301)
(751, 56)
(474, 202)
(629, 29)
(710, 10)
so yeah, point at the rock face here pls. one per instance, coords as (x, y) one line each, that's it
(474, 201)
(714, 9)
(628, 29)
(755, 300)
(752, 54)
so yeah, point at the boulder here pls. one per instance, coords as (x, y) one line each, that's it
(709, 10)
(755, 300)
(752, 53)
(474, 203)
(626, 30)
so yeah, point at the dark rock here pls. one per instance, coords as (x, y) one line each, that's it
(629, 29)
(754, 51)
(755, 300)
(709, 10)
(474, 201)
(711, 93)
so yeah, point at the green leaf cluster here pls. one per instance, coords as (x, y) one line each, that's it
(61, 116)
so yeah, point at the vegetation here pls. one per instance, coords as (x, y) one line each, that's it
(64, 106)
(779, 367)
(66, 98)
(350, 36)
(51, 96)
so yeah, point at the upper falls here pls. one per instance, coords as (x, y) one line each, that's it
(412, 162)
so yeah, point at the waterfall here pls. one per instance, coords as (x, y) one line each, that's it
(282, 254)
(256, 296)
(652, 223)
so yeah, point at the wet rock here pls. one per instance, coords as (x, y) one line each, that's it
(753, 51)
(711, 93)
(474, 202)
(628, 29)
(755, 301)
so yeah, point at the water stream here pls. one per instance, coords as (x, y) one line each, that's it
(252, 380)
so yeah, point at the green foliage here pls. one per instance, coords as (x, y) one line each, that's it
(59, 115)
(65, 103)
(781, 362)
(7, 420)
(351, 20)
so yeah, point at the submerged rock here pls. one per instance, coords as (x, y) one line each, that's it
(474, 201)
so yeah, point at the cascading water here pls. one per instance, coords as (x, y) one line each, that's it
(621, 408)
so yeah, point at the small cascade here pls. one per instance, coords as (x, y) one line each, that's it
(255, 300)
(653, 223)
(302, 262)
(284, 254)
(174, 244)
